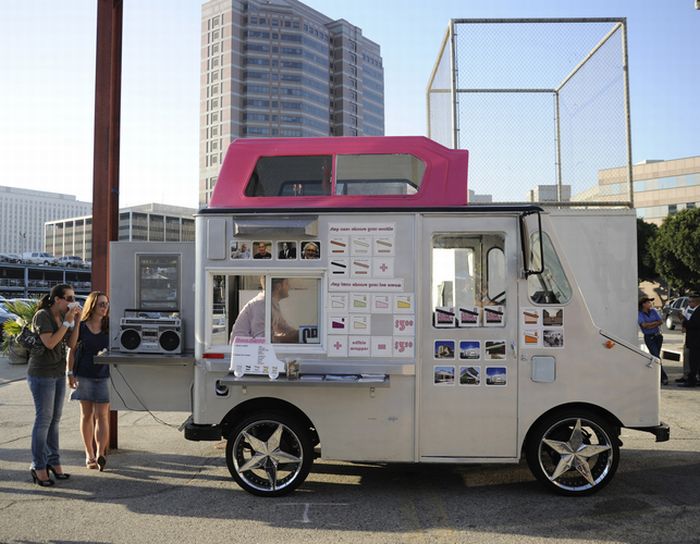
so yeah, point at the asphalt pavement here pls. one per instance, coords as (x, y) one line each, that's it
(159, 487)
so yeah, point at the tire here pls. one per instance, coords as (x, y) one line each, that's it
(670, 325)
(598, 457)
(263, 464)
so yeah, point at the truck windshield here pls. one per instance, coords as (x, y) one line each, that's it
(551, 286)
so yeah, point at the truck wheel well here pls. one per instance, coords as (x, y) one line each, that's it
(602, 412)
(265, 404)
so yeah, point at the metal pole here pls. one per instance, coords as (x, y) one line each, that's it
(626, 75)
(557, 125)
(453, 89)
(105, 199)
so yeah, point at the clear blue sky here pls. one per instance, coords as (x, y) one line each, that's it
(47, 65)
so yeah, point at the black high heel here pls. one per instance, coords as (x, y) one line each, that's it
(101, 462)
(62, 476)
(42, 483)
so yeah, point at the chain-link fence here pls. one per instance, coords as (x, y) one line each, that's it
(541, 105)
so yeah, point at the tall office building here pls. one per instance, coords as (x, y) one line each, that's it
(277, 68)
(23, 213)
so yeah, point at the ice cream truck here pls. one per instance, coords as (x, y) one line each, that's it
(343, 300)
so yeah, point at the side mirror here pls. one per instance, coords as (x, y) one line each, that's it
(531, 223)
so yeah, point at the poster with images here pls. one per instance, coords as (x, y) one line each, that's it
(339, 267)
(443, 375)
(338, 324)
(359, 302)
(240, 249)
(530, 317)
(444, 349)
(494, 316)
(338, 302)
(532, 338)
(444, 317)
(262, 249)
(468, 316)
(470, 375)
(381, 304)
(339, 246)
(553, 338)
(404, 304)
(360, 268)
(496, 376)
(311, 250)
(360, 324)
(495, 350)
(469, 350)
(287, 250)
(553, 317)
(383, 246)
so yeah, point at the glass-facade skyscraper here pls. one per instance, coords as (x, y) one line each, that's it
(278, 68)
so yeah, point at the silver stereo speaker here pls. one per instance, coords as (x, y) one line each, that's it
(150, 332)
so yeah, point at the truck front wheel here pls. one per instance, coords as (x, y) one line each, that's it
(573, 452)
(269, 454)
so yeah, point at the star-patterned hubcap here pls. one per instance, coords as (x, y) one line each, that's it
(268, 455)
(580, 462)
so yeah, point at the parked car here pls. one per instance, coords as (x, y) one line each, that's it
(39, 257)
(4, 316)
(70, 261)
(10, 258)
(672, 313)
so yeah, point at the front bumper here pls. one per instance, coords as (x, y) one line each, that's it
(202, 432)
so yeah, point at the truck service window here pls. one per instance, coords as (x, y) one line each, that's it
(240, 307)
(291, 176)
(551, 286)
(398, 174)
(468, 273)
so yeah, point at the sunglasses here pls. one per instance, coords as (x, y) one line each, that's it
(69, 298)
(103, 304)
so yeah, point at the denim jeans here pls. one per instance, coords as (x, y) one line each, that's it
(49, 395)
(654, 343)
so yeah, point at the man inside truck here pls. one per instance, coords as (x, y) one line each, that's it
(251, 321)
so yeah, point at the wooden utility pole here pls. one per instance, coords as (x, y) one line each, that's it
(105, 189)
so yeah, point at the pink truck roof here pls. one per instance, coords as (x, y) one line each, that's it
(444, 181)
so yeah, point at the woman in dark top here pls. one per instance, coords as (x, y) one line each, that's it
(91, 380)
(58, 313)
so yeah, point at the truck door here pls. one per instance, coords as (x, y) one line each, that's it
(468, 371)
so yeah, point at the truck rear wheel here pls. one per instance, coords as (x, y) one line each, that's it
(573, 453)
(269, 454)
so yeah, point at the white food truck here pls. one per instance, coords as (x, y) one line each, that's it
(383, 318)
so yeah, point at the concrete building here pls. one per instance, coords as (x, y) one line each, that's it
(548, 193)
(277, 68)
(661, 188)
(150, 222)
(23, 213)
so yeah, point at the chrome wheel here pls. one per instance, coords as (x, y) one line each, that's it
(269, 455)
(573, 454)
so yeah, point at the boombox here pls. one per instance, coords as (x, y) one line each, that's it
(145, 331)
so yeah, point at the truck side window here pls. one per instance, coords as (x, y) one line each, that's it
(468, 274)
(291, 176)
(496, 275)
(551, 286)
(397, 174)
